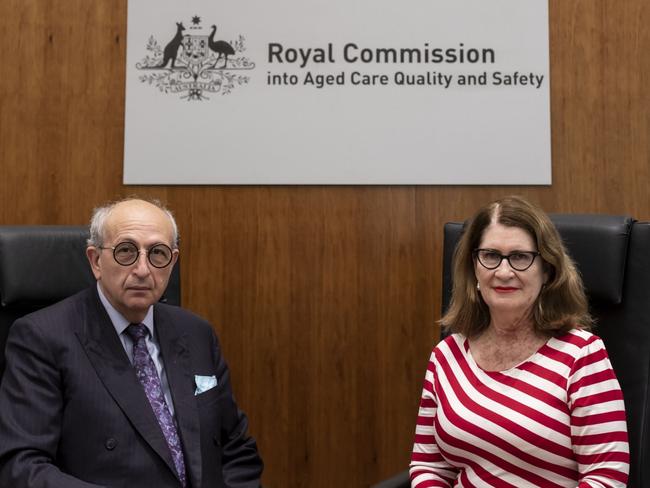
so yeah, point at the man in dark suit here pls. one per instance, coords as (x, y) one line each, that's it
(111, 388)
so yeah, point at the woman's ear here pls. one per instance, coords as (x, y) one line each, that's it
(549, 273)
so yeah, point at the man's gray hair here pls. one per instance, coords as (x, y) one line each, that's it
(100, 214)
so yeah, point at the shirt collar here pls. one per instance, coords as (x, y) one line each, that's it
(119, 322)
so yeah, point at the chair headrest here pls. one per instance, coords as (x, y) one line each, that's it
(598, 244)
(36, 263)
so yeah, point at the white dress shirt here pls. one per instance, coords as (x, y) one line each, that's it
(120, 324)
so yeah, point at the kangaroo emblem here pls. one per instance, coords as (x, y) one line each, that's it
(171, 49)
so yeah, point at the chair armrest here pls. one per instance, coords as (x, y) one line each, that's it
(399, 481)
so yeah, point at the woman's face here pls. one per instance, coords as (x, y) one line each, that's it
(505, 289)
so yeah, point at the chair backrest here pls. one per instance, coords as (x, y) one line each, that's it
(613, 256)
(40, 265)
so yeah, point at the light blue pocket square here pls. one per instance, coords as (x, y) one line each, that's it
(204, 383)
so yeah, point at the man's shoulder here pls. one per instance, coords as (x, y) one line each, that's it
(56, 320)
(70, 306)
(182, 315)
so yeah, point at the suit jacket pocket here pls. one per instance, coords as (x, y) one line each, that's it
(210, 397)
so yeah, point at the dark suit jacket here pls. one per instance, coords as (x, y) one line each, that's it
(73, 414)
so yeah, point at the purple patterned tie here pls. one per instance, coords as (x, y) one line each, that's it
(148, 376)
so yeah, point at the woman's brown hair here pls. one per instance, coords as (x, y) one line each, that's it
(561, 305)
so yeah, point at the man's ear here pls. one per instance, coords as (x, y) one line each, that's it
(93, 253)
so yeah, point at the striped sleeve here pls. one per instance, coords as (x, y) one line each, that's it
(428, 469)
(598, 424)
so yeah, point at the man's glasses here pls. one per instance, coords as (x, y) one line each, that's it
(519, 260)
(127, 253)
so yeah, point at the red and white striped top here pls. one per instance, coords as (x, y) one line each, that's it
(555, 420)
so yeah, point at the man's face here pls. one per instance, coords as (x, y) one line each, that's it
(133, 289)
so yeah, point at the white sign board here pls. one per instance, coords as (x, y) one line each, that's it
(337, 92)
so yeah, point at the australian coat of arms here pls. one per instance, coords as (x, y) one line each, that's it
(195, 65)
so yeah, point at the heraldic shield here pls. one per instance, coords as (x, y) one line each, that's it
(195, 51)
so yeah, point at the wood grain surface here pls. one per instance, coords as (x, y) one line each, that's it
(325, 297)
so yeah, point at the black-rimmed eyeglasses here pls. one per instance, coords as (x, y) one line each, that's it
(518, 260)
(127, 253)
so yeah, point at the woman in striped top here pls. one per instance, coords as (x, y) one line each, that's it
(521, 394)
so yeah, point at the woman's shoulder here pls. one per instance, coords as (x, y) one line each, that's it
(452, 344)
(455, 338)
(577, 342)
(579, 337)
(451, 351)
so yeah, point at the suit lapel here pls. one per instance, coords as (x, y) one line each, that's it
(176, 356)
(107, 355)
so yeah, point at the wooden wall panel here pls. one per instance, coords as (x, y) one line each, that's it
(325, 298)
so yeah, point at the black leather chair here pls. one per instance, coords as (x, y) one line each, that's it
(40, 265)
(613, 256)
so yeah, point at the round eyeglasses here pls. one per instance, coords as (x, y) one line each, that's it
(127, 253)
(518, 260)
